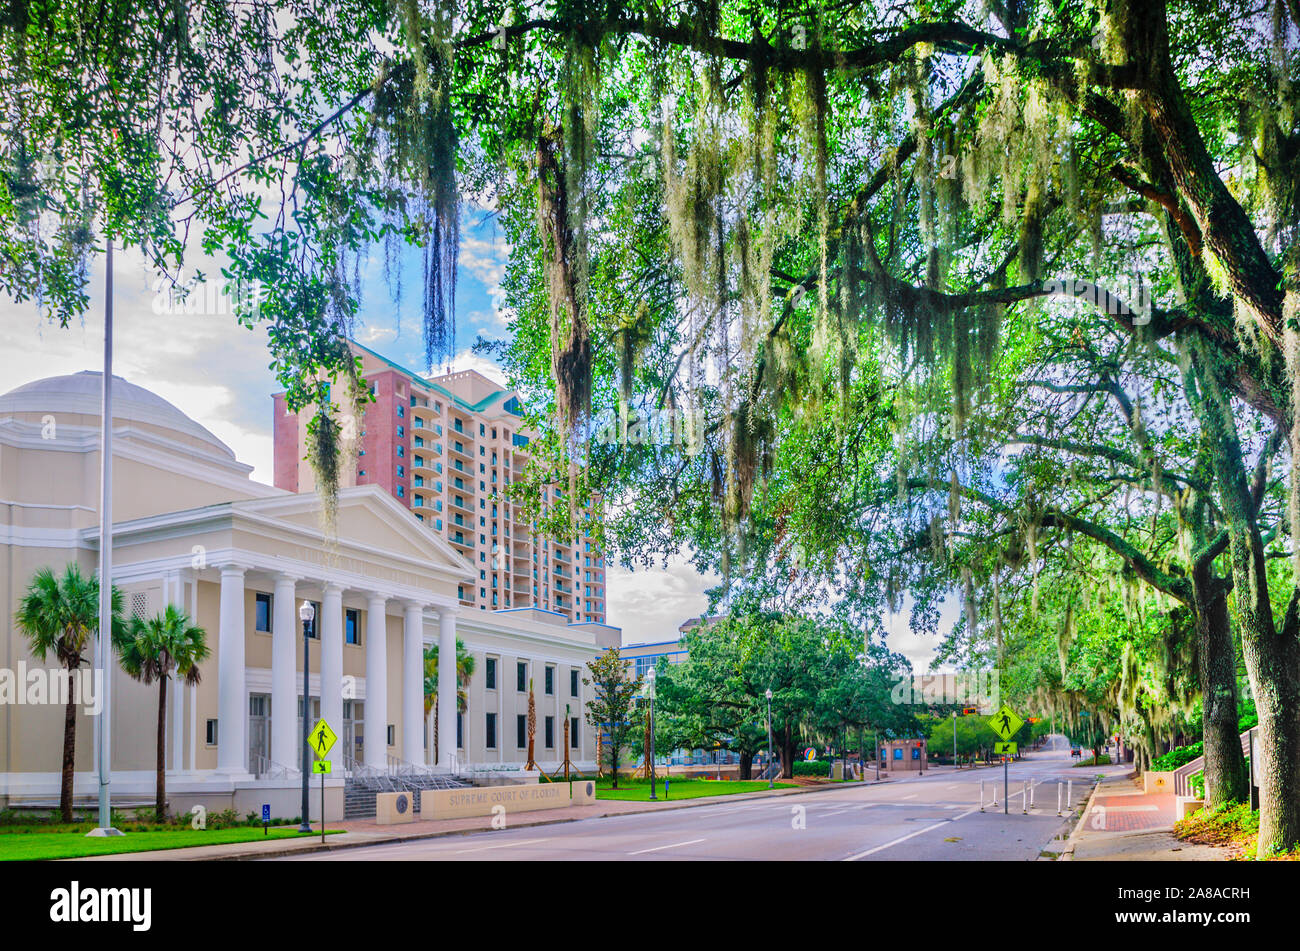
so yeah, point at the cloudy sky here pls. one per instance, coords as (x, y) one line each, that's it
(195, 355)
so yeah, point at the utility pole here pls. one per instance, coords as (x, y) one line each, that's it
(104, 642)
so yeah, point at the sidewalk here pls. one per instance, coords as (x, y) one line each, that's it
(1121, 823)
(363, 832)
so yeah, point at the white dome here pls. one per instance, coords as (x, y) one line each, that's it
(81, 393)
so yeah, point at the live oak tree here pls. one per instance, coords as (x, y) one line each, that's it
(785, 223)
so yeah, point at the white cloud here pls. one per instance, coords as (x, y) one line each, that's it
(469, 360)
(650, 604)
(212, 369)
(485, 260)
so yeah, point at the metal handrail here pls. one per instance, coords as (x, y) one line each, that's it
(263, 767)
(1184, 773)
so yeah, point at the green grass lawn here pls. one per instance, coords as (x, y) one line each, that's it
(639, 790)
(74, 844)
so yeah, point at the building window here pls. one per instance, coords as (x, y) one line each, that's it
(391, 737)
(401, 431)
(211, 733)
(401, 491)
(490, 674)
(491, 725)
(573, 734)
(521, 677)
(550, 733)
(550, 681)
(521, 731)
(352, 626)
(573, 682)
(314, 627)
(460, 731)
(401, 451)
(263, 612)
(401, 412)
(401, 471)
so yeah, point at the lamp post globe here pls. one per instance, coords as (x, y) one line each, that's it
(307, 614)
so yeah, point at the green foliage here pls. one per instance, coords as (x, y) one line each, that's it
(612, 709)
(816, 767)
(826, 683)
(1178, 757)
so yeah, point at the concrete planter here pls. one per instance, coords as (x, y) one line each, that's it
(1158, 782)
(1184, 806)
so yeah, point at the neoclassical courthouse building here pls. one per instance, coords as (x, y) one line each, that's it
(192, 528)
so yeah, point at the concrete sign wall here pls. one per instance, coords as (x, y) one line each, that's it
(459, 803)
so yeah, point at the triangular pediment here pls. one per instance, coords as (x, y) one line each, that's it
(368, 519)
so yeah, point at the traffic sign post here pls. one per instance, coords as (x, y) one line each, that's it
(1006, 723)
(322, 741)
(266, 817)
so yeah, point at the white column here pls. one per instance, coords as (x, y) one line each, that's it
(173, 589)
(232, 701)
(413, 684)
(285, 634)
(376, 745)
(446, 686)
(331, 666)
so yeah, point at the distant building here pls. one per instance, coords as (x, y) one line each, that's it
(192, 529)
(446, 447)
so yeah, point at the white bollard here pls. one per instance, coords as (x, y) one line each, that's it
(995, 793)
(1024, 799)
(981, 795)
(1058, 797)
(1069, 794)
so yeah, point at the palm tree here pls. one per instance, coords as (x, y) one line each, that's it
(157, 648)
(59, 615)
(464, 671)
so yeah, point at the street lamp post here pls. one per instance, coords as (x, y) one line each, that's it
(771, 780)
(954, 739)
(306, 612)
(650, 754)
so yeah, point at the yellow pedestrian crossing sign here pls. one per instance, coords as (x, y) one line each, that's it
(322, 739)
(1006, 722)
(1004, 749)
(321, 766)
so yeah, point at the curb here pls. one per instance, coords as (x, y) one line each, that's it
(292, 848)
(1067, 854)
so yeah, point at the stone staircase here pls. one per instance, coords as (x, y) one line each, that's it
(363, 785)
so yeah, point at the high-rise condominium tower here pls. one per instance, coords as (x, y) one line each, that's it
(446, 447)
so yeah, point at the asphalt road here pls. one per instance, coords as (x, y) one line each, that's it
(935, 817)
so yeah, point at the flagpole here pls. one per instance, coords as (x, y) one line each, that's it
(103, 643)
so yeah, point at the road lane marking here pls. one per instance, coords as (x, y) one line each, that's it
(503, 845)
(913, 796)
(660, 848)
(910, 835)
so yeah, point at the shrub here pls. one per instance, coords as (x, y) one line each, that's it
(1102, 760)
(224, 819)
(1196, 783)
(1176, 758)
(815, 767)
